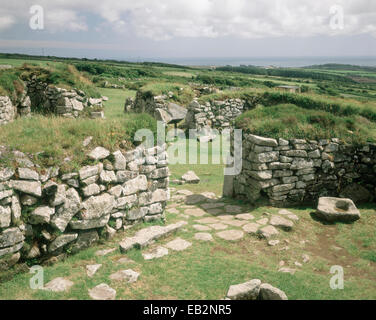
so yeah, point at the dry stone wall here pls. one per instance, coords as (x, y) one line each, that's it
(215, 115)
(45, 213)
(290, 172)
(66, 103)
(157, 106)
(8, 112)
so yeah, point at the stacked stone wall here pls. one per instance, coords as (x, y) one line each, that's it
(45, 213)
(297, 171)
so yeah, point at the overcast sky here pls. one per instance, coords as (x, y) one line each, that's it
(191, 28)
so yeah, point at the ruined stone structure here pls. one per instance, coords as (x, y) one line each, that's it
(296, 171)
(40, 97)
(157, 106)
(45, 213)
(215, 115)
(62, 102)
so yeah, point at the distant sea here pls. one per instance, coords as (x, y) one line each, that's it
(288, 62)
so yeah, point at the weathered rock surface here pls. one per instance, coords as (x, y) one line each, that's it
(337, 210)
(102, 292)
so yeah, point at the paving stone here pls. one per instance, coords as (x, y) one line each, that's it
(58, 285)
(263, 221)
(214, 212)
(231, 235)
(282, 223)
(128, 276)
(245, 216)
(146, 236)
(207, 220)
(203, 236)
(91, 270)
(235, 223)
(212, 205)
(251, 228)
(267, 232)
(226, 217)
(209, 195)
(273, 243)
(218, 226)
(178, 244)
(156, 253)
(102, 292)
(293, 217)
(197, 212)
(199, 227)
(195, 199)
(233, 209)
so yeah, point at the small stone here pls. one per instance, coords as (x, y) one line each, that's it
(263, 221)
(305, 258)
(91, 270)
(298, 264)
(231, 235)
(158, 252)
(191, 177)
(251, 228)
(268, 232)
(268, 292)
(245, 216)
(282, 223)
(102, 292)
(273, 243)
(203, 236)
(99, 153)
(58, 285)
(218, 226)
(199, 227)
(197, 212)
(129, 276)
(178, 244)
(245, 291)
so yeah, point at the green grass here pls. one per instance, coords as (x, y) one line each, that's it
(58, 138)
(114, 108)
(289, 121)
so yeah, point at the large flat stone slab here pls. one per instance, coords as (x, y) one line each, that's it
(267, 232)
(218, 226)
(146, 236)
(282, 223)
(251, 228)
(178, 244)
(200, 227)
(231, 235)
(203, 236)
(195, 212)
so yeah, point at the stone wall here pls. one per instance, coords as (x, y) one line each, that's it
(157, 106)
(216, 115)
(300, 171)
(8, 111)
(46, 214)
(66, 103)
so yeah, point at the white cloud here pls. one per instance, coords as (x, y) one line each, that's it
(166, 19)
(6, 22)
